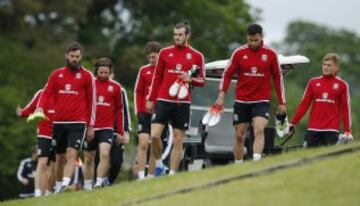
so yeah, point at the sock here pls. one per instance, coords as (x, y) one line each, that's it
(158, 163)
(99, 180)
(150, 176)
(141, 175)
(239, 161)
(66, 181)
(171, 172)
(58, 185)
(47, 193)
(37, 193)
(256, 156)
(87, 185)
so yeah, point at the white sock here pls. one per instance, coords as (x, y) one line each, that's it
(66, 181)
(141, 175)
(37, 193)
(99, 180)
(158, 163)
(47, 192)
(256, 156)
(171, 172)
(239, 161)
(150, 176)
(58, 185)
(87, 185)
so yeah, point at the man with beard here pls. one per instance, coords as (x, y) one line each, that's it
(109, 106)
(72, 89)
(174, 64)
(255, 65)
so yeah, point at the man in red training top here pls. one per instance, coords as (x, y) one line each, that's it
(174, 63)
(329, 98)
(141, 90)
(72, 89)
(109, 107)
(44, 141)
(255, 65)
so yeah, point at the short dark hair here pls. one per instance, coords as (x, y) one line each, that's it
(184, 24)
(254, 29)
(73, 47)
(152, 46)
(103, 62)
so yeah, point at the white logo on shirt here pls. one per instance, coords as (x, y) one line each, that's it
(67, 87)
(245, 57)
(318, 84)
(264, 57)
(78, 76)
(61, 75)
(101, 98)
(253, 70)
(325, 95)
(171, 55)
(110, 88)
(188, 56)
(148, 72)
(335, 86)
(67, 90)
(178, 67)
(101, 101)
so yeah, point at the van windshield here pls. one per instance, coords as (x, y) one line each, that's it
(206, 96)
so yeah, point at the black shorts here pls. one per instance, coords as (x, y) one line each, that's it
(103, 135)
(68, 135)
(320, 138)
(246, 112)
(177, 113)
(44, 147)
(144, 122)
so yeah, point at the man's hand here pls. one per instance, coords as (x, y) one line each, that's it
(18, 110)
(282, 108)
(25, 181)
(122, 139)
(292, 128)
(90, 133)
(186, 78)
(150, 107)
(220, 100)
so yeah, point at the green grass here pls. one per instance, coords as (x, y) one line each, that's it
(333, 181)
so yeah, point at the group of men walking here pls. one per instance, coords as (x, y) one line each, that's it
(86, 111)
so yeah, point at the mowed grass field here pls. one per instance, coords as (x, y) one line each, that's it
(331, 181)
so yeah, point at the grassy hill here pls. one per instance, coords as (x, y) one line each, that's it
(302, 177)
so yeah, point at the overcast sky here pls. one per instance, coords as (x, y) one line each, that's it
(337, 14)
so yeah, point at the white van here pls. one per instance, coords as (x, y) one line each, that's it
(216, 143)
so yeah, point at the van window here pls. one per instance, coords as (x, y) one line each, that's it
(206, 96)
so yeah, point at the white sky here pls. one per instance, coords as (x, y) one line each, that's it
(276, 14)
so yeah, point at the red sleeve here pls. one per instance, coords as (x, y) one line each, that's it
(304, 104)
(31, 106)
(200, 80)
(48, 92)
(228, 73)
(157, 78)
(119, 111)
(278, 80)
(139, 92)
(91, 99)
(346, 109)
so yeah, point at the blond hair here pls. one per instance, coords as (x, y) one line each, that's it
(332, 57)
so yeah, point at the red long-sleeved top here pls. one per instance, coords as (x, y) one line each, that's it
(330, 102)
(142, 87)
(254, 70)
(73, 94)
(109, 106)
(44, 127)
(174, 61)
